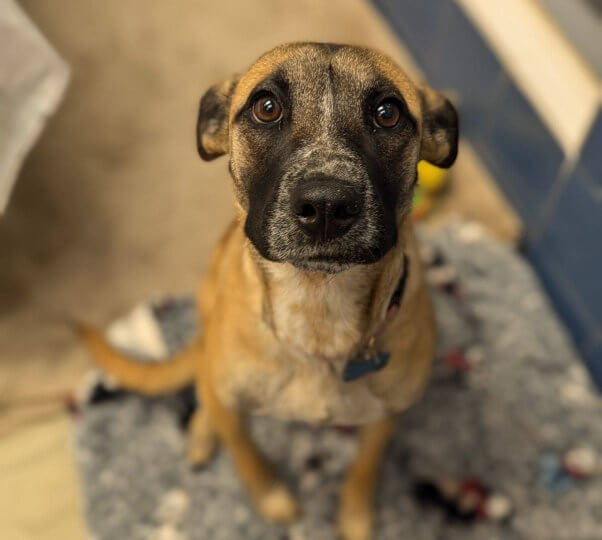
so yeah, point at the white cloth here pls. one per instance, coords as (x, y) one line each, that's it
(33, 79)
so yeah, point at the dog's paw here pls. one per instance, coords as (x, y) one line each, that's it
(279, 505)
(201, 450)
(355, 524)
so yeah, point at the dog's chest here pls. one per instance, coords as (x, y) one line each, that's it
(323, 319)
(311, 328)
(311, 391)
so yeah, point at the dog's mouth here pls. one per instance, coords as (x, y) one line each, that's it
(333, 263)
(327, 265)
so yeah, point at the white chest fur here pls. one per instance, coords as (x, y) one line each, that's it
(319, 316)
(313, 391)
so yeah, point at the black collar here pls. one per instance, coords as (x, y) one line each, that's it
(397, 295)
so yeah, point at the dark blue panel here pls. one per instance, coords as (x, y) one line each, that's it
(522, 154)
(445, 44)
(573, 239)
(593, 359)
(591, 155)
(464, 62)
(419, 24)
(562, 292)
(568, 257)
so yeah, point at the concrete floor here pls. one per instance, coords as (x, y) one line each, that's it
(113, 205)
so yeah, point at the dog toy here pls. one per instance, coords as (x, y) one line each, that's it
(561, 472)
(465, 500)
(431, 181)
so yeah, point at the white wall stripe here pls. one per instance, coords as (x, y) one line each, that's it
(552, 75)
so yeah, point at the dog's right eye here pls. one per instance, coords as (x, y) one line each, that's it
(387, 114)
(266, 109)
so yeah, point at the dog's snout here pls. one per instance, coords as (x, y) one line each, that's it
(325, 208)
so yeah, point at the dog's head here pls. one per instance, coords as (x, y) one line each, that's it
(324, 141)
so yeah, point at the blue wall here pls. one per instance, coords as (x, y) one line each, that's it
(560, 205)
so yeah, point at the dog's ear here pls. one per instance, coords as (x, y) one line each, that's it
(212, 121)
(439, 144)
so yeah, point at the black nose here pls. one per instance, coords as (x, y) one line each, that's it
(325, 208)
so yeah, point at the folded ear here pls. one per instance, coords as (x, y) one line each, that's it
(439, 129)
(212, 122)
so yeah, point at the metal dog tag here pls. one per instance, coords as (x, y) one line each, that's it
(358, 367)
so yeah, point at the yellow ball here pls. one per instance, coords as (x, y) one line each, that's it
(431, 178)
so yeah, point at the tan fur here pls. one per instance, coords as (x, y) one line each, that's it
(276, 340)
(149, 379)
(355, 512)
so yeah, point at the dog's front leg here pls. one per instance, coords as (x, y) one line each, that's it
(272, 498)
(356, 512)
(202, 439)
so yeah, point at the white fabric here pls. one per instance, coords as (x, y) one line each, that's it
(32, 81)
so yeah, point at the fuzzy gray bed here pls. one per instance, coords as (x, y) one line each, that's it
(507, 400)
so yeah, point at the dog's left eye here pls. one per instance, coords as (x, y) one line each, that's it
(266, 109)
(387, 114)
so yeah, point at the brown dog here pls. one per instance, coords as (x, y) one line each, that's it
(315, 306)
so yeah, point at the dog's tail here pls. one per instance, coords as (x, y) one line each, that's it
(143, 377)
